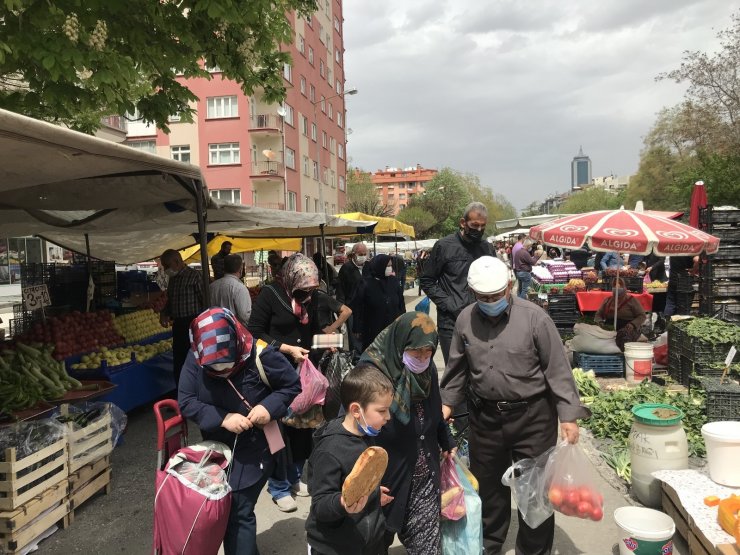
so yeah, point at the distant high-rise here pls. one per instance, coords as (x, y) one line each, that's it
(580, 171)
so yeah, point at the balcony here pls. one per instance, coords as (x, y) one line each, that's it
(265, 124)
(267, 172)
(271, 205)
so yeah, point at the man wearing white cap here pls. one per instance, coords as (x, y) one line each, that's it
(507, 360)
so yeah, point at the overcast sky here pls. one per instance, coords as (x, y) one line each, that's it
(510, 89)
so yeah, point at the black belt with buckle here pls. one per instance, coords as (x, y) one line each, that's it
(508, 406)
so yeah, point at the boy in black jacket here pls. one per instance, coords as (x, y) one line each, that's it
(333, 528)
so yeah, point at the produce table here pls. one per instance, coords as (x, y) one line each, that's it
(77, 396)
(39, 409)
(142, 382)
(590, 301)
(683, 500)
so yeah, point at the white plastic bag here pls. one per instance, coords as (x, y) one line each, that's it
(528, 482)
(594, 340)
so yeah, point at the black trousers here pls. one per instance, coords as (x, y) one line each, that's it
(496, 440)
(180, 345)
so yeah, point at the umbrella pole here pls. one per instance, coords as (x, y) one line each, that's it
(203, 239)
(616, 292)
(395, 236)
(89, 269)
(325, 266)
(374, 245)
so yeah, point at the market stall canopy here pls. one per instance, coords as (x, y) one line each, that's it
(385, 226)
(192, 254)
(401, 246)
(526, 221)
(512, 233)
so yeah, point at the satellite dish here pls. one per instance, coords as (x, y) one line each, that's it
(269, 154)
(282, 111)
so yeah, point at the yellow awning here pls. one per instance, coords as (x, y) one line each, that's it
(386, 226)
(192, 254)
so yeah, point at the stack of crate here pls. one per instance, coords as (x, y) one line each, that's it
(719, 287)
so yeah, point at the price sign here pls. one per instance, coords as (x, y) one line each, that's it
(36, 297)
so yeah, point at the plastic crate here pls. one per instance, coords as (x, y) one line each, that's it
(634, 284)
(724, 309)
(685, 282)
(729, 253)
(712, 270)
(710, 216)
(728, 234)
(723, 400)
(701, 352)
(600, 364)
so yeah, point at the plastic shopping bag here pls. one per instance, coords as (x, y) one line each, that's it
(464, 536)
(423, 305)
(571, 485)
(313, 388)
(335, 366)
(527, 479)
(453, 495)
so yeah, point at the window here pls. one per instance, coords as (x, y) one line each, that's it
(306, 166)
(321, 68)
(326, 6)
(316, 205)
(333, 208)
(341, 183)
(310, 55)
(222, 107)
(288, 118)
(288, 72)
(309, 20)
(313, 131)
(321, 33)
(223, 153)
(292, 201)
(307, 203)
(336, 24)
(233, 196)
(391, 195)
(339, 119)
(323, 139)
(290, 158)
(304, 125)
(315, 170)
(323, 104)
(340, 150)
(332, 145)
(333, 179)
(146, 146)
(180, 153)
(213, 69)
(328, 74)
(303, 85)
(401, 195)
(337, 56)
(331, 111)
(312, 95)
(338, 87)
(301, 45)
(325, 176)
(174, 118)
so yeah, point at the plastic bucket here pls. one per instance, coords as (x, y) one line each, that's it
(723, 451)
(638, 361)
(644, 531)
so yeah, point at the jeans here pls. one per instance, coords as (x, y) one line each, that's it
(524, 279)
(241, 532)
(281, 488)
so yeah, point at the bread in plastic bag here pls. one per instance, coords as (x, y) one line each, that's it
(464, 536)
(313, 418)
(313, 388)
(571, 487)
(453, 495)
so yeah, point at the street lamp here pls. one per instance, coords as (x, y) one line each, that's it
(350, 91)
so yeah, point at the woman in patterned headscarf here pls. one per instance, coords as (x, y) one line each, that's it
(416, 432)
(221, 391)
(286, 315)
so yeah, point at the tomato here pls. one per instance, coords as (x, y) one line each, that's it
(585, 494)
(584, 509)
(567, 510)
(597, 513)
(555, 495)
(571, 497)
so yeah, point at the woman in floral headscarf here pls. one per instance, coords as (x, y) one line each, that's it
(221, 391)
(416, 433)
(286, 315)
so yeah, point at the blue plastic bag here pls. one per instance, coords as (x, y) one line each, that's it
(423, 305)
(464, 536)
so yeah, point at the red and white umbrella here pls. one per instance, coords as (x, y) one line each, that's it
(625, 231)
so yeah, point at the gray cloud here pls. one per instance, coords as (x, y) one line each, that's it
(510, 89)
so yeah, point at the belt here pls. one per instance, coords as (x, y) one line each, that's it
(510, 406)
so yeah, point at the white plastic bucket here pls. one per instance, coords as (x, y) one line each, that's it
(638, 361)
(644, 531)
(723, 451)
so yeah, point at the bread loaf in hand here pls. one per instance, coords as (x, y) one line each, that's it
(365, 476)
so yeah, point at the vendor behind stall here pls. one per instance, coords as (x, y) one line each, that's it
(630, 314)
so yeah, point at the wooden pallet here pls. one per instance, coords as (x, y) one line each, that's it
(89, 480)
(21, 526)
(16, 480)
(90, 443)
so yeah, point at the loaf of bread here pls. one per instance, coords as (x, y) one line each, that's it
(365, 476)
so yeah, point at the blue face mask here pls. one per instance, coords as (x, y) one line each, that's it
(493, 309)
(365, 428)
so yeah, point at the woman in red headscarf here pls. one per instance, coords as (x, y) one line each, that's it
(222, 392)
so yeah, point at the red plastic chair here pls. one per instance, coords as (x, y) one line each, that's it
(172, 432)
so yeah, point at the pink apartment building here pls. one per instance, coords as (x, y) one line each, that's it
(290, 156)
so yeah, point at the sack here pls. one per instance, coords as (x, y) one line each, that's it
(312, 418)
(527, 479)
(335, 366)
(423, 305)
(571, 485)
(453, 495)
(594, 340)
(464, 536)
(313, 388)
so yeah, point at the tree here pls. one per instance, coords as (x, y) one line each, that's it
(445, 197)
(418, 218)
(589, 200)
(532, 209)
(71, 62)
(362, 195)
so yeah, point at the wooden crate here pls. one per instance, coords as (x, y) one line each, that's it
(21, 526)
(90, 443)
(19, 484)
(90, 479)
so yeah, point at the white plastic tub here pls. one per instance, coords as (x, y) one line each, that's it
(644, 531)
(723, 451)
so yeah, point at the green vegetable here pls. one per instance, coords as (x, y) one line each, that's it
(715, 332)
(586, 382)
(619, 459)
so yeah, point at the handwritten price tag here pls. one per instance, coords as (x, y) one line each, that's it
(36, 297)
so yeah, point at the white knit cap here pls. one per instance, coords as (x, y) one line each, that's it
(488, 275)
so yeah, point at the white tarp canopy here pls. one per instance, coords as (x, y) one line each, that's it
(527, 221)
(505, 234)
(390, 247)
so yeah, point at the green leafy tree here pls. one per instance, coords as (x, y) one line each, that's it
(72, 61)
(362, 195)
(589, 200)
(532, 209)
(418, 218)
(445, 197)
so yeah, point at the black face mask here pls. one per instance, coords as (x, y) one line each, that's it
(475, 235)
(302, 296)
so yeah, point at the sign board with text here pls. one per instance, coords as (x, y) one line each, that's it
(36, 297)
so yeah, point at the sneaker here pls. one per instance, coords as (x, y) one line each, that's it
(300, 489)
(286, 504)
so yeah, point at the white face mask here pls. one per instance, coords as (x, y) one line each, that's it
(171, 273)
(389, 271)
(360, 260)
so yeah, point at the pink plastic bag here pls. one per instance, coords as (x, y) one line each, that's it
(313, 389)
(453, 493)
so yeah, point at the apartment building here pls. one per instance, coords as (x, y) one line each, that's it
(397, 186)
(290, 156)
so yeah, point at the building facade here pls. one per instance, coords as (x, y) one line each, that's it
(612, 183)
(397, 186)
(290, 156)
(580, 171)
